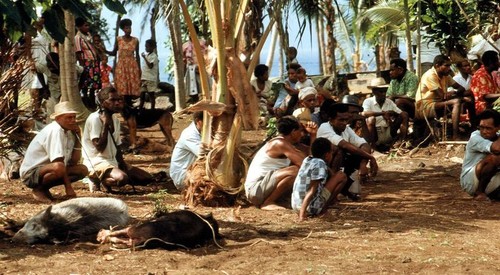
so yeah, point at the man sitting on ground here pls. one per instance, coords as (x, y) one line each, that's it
(403, 86)
(356, 152)
(101, 138)
(186, 150)
(383, 117)
(274, 168)
(53, 155)
(480, 176)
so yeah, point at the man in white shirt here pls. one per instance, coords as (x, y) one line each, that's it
(356, 152)
(186, 150)
(53, 155)
(383, 117)
(101, 138)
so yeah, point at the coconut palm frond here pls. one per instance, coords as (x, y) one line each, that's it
(382, 14)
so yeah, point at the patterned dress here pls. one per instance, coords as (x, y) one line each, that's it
(91, 75)
(127, 75)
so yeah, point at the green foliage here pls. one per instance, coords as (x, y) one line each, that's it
(271, 129)
(53, 18)
(18, 16)
(115, 6)
(76, 7)
(446, 25)
(160, 207)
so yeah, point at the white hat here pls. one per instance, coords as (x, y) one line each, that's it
(378, 82)
(62, 108)
(304, 92)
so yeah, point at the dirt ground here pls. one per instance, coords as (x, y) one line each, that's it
(413, 219)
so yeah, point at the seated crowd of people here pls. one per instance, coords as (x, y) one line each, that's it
(323, 147)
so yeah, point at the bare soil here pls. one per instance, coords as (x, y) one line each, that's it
(413, 218)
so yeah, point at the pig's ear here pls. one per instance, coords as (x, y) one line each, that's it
(209, 215)
(46, 215)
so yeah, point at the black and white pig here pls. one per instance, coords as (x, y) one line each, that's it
(176, 229)
(73, 219)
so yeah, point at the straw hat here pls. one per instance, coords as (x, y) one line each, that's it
(63, 108)
(378, 82)
(306, 91)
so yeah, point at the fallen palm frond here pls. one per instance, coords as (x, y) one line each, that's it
(213, 107)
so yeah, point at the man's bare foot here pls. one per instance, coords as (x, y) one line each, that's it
(481, 197)
(272, 207)
(42, 195)
(70, 193)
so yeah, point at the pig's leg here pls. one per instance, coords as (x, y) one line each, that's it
(105, 236)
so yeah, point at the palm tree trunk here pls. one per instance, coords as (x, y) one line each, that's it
(409, 53)
(332, 42)
(174, 27)
(272, 48)
(68, 77)
(321, 44)
(419, 39)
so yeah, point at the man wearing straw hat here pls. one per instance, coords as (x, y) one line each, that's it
(383, 117)
(53, 155)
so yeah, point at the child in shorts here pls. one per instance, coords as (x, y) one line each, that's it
(149, 76)
(316, 185)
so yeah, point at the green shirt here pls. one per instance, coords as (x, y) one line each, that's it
(407, 86)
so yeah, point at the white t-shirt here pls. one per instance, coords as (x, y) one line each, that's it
(476, 150)
(462, 81)
(348, 135)
(51, 143)
(261, 164)
(370, 104)
(185, 152)
(150, 74)
(93, 127)
(308, 83)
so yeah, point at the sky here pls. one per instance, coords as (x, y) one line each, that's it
(308, 54)
(307, 47)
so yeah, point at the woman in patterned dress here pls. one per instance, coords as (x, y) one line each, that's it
(127, 75)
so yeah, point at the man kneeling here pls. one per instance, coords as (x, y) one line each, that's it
(480, 176)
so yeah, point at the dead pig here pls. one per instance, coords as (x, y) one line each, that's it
(75, 218)
(173, 230)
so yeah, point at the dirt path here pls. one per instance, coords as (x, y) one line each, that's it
(413, 219)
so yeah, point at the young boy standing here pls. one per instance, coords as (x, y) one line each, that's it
(316, 186)
(149, 77)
